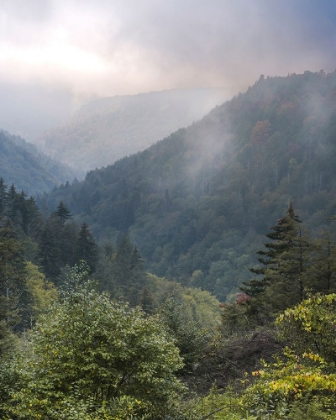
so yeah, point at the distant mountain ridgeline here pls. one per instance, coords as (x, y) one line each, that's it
(198, 203)
(108, 129)
(30, 170)
(28, 109)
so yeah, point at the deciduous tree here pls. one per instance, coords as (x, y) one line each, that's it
(94, 353)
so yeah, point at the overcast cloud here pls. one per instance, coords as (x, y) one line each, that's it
(109, 47)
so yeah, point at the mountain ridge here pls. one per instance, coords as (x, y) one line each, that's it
(107, 129)
(198, 203)
(22, 164)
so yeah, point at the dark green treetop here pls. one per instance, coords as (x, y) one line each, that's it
(86, 247)
(62, 212)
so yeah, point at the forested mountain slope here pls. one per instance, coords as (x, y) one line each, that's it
(22, 164)
(198, 202)
(108, 129)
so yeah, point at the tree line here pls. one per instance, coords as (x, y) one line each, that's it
(86, 332)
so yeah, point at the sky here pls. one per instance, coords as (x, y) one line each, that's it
(57, 54)
(111, 47)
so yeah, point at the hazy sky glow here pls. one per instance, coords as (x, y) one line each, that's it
(109, 47)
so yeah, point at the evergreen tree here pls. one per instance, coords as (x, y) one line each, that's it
(22, 211)
(49, 248)
(86, 247)
(105, 270)
(283, 266)
(12, 205)
(137, 279)
(68, 239)
(34, 219)
(122, 266)
(129, 271)
(62, 212)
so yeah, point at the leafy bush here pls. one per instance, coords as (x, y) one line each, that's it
(94, 358)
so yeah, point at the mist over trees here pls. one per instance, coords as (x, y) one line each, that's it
(107, 129)
(197, 203)
(193, 280)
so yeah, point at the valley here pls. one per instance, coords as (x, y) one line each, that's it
(183, 280)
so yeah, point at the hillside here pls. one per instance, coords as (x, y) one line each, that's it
(108, 129)
(199, 202)
(22, 164)
(81, 322)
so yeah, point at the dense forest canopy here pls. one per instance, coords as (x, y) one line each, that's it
(89, 330)
(30, 170)
(197, 203)
(71, 347)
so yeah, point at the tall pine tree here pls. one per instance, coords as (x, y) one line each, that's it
(282, 274)
(62, 212)
(86, 247)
